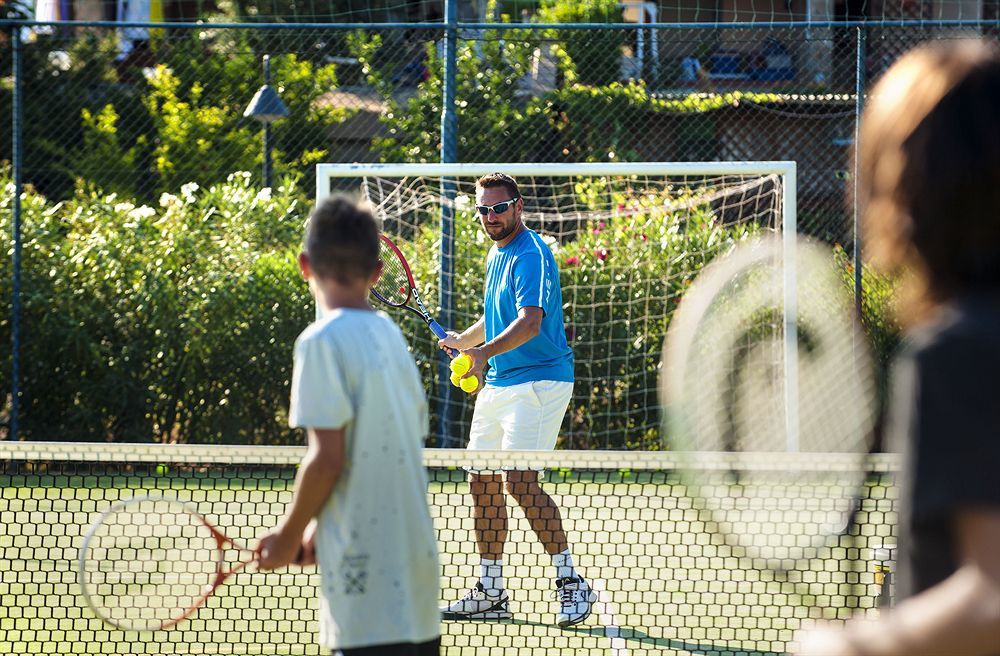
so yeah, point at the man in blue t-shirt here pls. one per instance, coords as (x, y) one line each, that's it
(521, 406)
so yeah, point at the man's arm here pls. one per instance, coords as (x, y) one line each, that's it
(318, 474)
(960, 616)
(474, 335)
(524, 328)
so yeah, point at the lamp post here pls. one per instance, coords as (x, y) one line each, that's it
(266, 107)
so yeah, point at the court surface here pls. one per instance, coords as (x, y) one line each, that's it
(666, 583)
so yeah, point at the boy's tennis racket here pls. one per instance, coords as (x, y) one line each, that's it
(775, 452)
(396, 287)
(149, 562)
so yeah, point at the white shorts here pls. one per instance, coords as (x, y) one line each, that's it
(524, 417)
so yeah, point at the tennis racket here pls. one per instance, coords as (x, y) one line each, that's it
(149, 562)
(396, 287)
(771, 412)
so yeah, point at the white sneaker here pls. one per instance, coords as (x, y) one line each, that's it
(477, 605)
(576, 600)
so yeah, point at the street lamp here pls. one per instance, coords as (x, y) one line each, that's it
(266, 107)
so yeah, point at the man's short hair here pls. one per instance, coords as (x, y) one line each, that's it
(341, 240)
(499, 179)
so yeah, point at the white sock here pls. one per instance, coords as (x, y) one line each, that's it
(491, 576)
(563, 563)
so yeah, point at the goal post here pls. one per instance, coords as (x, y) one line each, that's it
(428, 207)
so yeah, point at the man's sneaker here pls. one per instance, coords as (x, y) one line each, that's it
(477, 605)
(576, 600)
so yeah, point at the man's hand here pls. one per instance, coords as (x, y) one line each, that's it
(479, 359)
(278, 548)
(451, 344)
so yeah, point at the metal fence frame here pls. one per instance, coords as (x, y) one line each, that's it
(449, 28)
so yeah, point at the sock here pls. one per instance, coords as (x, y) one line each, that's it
(491, 576)
(563, 563)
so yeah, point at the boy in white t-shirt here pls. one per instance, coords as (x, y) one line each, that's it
(357, 392)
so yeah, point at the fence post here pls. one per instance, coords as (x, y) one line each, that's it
(859, 90)
(15, 305)
(449, 153)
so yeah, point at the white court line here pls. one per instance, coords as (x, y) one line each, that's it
(606, 616)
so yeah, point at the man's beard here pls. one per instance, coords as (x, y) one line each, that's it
(503, 234)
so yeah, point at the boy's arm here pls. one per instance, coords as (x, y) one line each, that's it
(317, 476)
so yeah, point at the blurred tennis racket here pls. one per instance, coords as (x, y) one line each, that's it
(771, 413)
(396, 287)
(149, 562)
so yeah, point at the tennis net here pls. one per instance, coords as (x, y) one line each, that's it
(667, 580)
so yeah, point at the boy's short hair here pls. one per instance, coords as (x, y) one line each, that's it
(499, 179)
(341, 240)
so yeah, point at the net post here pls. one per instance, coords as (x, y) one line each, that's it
(789, 230)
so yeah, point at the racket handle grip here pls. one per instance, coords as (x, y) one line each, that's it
(437, 329)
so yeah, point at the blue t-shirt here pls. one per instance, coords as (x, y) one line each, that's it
(523, 274)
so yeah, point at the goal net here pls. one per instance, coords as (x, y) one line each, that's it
(628, 240)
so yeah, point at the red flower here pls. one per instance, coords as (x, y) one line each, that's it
(598, 229)
(601, 254)
(572, 260)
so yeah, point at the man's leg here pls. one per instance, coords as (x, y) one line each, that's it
(539, 508)
(535, 426)
(487, 598)
(490, 512)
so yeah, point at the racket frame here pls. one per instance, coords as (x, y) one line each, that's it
(222, 542)
(411, 293)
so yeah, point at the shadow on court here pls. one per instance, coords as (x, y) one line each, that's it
(630, 635)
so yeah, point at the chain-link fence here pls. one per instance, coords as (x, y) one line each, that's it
(141, 114)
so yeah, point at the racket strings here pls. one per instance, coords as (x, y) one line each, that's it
(728, 392)
(147, 564)
(394, 284)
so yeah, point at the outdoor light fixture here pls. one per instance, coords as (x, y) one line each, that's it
(266, 107)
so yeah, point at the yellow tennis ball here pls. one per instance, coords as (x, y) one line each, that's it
(456, 380)
(461, 364)
(469, 384)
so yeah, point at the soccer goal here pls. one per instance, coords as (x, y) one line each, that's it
(629, 238)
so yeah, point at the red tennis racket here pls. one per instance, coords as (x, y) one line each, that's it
(149, 562)
(396, 287)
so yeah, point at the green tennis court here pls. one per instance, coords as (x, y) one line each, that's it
(667, 584)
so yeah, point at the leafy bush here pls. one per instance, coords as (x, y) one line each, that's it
(163, 323)
(878, 316)
(621, 279)
(595, 55)
(175, 321)
(143, 132)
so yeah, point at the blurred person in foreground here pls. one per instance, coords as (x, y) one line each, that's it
(930, 190)
(359, 507)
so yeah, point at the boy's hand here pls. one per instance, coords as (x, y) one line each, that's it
(307, 552)
(278, 548)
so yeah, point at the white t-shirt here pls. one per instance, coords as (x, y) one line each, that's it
(375, 543)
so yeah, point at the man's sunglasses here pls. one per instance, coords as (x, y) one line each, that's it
(498, 208)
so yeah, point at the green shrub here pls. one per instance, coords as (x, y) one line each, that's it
(621, 279)
(595, 55)
(162, 323)
(175, 321)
